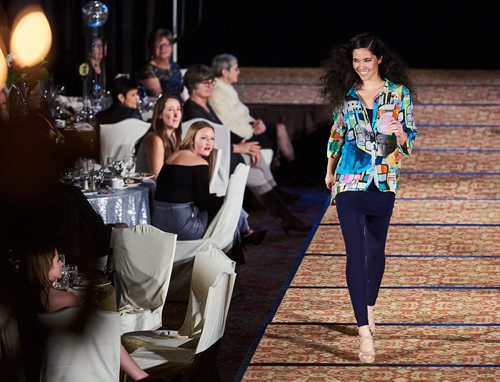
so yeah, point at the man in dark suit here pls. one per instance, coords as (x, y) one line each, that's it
(125, 103)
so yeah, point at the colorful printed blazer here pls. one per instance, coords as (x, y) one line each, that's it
(366, 154)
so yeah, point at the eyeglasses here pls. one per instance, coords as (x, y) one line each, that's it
(208, 82)
(163, 45)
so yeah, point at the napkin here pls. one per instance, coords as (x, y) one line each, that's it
(130, 309)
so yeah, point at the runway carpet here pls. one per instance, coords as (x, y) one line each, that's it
(438, 312)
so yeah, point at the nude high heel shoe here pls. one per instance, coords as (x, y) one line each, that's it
(366, 349)
(371, 319)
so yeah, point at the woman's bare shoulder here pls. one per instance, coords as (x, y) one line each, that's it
(153, 139)
(186, 158)
(59, 299)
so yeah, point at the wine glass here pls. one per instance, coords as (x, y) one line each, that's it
(118, 167)
(129, 163)
(72, 272)
(63, 282)
(89, 165)
(81, 166)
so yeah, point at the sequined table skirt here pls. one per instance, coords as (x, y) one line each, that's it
(130, 206)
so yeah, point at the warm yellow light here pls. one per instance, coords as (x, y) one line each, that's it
(31, 37)
(3, 70)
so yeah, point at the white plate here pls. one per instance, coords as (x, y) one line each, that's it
(120, 188)
(141, 175)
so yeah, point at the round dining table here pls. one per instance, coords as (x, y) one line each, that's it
(129, 205)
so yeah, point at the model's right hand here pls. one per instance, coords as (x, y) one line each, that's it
(329, 180)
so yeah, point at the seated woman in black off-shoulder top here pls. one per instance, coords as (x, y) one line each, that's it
(182, 198)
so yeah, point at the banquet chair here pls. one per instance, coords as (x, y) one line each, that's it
(117, 140)
(220, 231)
(169, 352)
(92, 354)
(219, 235)
(142, 257)
(267, 156)
(220, 177)
(217, 157)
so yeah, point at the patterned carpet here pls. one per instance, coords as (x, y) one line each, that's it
(438, 313)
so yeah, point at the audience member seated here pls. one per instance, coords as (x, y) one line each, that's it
(161, 75)
(95, 82)
(183, 203)
(199, 80)
(97, 52)
(236, 115)
(163, 137)
(125, 103)
(182, 188)
(40, 268)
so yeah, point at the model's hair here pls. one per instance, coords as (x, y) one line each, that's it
(157, 35)
(339, 75)
(36, 266)
(188, 141)
(196, 74)
(158, 128)
(221, 62)
(122, 85)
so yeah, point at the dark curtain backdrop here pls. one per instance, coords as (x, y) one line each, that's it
(438, 34)
(125, 32)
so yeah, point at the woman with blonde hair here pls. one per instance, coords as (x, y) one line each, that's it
(182, 187)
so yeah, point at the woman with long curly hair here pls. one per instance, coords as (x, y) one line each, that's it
(371, 95)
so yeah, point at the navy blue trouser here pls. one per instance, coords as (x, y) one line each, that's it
(364, 220)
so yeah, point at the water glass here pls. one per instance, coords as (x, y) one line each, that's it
(90, 165)
(71, 270)
(129, 164)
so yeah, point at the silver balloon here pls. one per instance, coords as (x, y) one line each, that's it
(95, 13)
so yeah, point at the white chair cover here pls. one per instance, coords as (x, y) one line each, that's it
(216, 310)
(267, 156)
(143, 258)
(117, 140)
(93, 355)
(221, 230)
(212, 285)
(220, 179)
(217, 157)
(206, 268)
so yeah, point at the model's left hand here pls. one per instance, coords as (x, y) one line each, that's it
(396, 128)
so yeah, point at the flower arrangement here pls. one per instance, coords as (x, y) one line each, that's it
(26, 77)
